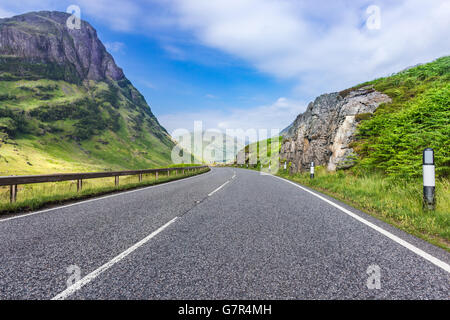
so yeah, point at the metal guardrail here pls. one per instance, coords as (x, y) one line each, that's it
(14, 181)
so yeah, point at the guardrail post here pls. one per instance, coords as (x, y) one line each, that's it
(116, 181)
(140, 177)
(13, 193)
(168, 172)
(183, 171)
(156, 175)
(79, 185)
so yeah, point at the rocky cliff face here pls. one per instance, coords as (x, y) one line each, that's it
(43, 37)
(324, 133)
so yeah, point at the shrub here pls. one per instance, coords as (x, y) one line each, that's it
(393, 139)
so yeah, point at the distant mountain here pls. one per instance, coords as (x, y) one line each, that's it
(65, 104)
(216, 147)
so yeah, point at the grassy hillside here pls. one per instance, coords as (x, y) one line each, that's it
(392, 140)
(56, 126)
(264, 153)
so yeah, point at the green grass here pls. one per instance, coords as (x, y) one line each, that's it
(36, 196)
(262, 151)
(181, 165)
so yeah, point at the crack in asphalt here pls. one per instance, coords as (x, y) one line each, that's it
(198, 202)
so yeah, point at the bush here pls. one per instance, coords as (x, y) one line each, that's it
(392, 140)
(14, 122)
(7, 97)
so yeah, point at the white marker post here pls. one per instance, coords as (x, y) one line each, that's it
(429, 180)
(285, 165)
(312, 170)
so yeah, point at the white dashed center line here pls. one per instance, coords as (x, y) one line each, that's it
(209, 195)
(94, 274)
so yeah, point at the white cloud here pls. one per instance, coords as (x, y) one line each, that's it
(174, 52)
(5, 13)
(274, 116)
(324, 45)
(148, 84)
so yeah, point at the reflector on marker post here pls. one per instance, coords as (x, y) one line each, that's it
(429, 181)
(312, 170)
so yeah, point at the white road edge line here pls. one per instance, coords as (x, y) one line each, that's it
(234, 176)
(94, 274)
(104, 197)
(441, 264)
(209, 195)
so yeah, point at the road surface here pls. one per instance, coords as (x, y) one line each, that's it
(227, 234)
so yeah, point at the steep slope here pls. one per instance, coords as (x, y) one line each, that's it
(382, 125)
(392, 139)
(65, 105)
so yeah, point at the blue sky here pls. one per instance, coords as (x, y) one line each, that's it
(255, 63)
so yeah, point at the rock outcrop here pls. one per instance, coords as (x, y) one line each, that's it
(43, 37)
(324, 132)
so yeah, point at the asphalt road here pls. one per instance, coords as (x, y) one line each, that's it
(226, 234)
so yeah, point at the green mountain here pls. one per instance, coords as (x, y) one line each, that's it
(66, 106)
